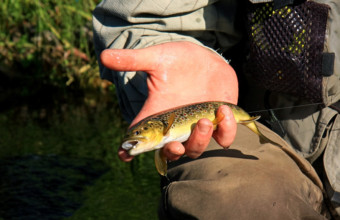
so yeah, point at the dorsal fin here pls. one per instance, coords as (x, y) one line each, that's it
(170, 123)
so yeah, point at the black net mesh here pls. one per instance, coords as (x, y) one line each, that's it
(286, 47)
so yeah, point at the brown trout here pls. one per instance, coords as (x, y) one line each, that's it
(153, 132)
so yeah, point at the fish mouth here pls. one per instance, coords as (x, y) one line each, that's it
(129, 144)
(136, 145)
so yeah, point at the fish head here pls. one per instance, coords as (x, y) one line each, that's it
(143, 137)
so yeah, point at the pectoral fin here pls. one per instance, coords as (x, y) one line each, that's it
(170, 123)
(160, 162)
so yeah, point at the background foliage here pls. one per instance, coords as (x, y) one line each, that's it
(50, 39)
(60, 123)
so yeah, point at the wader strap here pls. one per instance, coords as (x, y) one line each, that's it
(328, 64)
(282, 3)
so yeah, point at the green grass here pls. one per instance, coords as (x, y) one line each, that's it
(50, 39)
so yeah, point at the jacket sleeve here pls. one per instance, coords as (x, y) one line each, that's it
(141, 23)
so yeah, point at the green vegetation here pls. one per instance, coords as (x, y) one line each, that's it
(50, 39)
(54, 107)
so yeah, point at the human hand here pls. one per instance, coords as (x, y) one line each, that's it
(181, 73)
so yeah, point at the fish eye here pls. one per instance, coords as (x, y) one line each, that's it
(137, 132)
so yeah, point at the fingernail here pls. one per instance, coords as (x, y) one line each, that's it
(203, 128)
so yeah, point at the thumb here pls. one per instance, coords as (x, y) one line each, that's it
(129, 59)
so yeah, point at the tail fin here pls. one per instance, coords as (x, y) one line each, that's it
(252, 126)
(250, 123)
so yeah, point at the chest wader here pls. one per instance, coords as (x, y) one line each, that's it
(294, 52)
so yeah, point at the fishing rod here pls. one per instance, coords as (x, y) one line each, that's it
(289, 107)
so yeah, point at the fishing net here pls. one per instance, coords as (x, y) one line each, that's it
(286, 48)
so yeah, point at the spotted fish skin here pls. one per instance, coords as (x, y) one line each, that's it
(191, 113)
